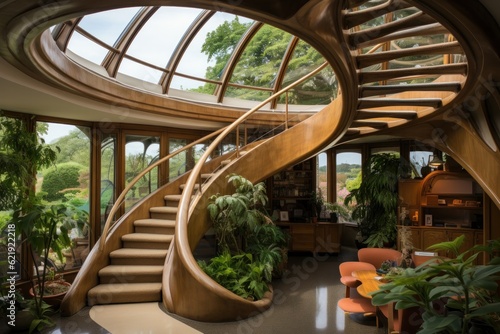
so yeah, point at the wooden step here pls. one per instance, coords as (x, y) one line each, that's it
(366, 91)
(370, 114)
(358, 17)
(384, 102)
(124, 293)
(146, 241)
(370, 124)
(369, 59)
(130, 274)
(163, 212)
(156, 226)
(372, 76)
(428, 29)
(138, 256)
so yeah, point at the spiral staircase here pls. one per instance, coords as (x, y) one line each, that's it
(147, 254)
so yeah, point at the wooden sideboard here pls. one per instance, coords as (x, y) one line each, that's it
(321, 237)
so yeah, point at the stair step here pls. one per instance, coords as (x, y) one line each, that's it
(163, 212)
(147, 240)
(114, 274)
(383, 102)
(137, 256)
(156, 226)
(124, 293)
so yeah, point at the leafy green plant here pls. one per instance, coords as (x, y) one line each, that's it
(239, 273)
(376, 199)
(44, 229)
(252, 247)
(469, 289)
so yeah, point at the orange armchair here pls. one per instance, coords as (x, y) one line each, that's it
(346, 278)
(376, 256)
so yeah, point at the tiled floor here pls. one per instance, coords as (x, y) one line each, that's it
(305, 302)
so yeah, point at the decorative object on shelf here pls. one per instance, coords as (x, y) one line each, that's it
(284, 216)
(428, 220)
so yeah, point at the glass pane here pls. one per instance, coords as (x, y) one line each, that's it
(262, 58)
(322, 175)
(419, 157)
(177, 164)
(87, 49)
(159, 37)
(198, 61)
(320, 89)
(68, 183)
(107, 26)
(217, 45)
(348, 175)
(108, 180)
(140, 152)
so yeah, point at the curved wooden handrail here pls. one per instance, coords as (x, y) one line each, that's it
(119, 201)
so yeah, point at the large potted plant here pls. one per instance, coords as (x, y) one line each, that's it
(470, 291)
(45, 230)
(251, 247)
(376, 199)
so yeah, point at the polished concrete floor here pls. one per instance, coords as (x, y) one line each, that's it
(305, 302)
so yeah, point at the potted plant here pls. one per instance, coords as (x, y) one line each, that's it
(251, 247)
(317, 202)
(470, 290)
(375, 200)
(45, 231)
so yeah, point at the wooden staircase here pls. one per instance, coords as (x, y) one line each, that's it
(134, 273)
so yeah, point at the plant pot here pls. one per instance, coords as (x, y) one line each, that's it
(334, 218)
(22, 322)
(55, 299)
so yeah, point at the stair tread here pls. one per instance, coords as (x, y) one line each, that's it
(147, 237)
(163, 209)
(155, 222)
(138, 252)
(130, 287)
(130, 270)
(173, 197)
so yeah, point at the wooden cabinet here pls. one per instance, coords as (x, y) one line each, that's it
(450, 203)
(302, 237)
(424, 236)
(328, 237)
(316, 238)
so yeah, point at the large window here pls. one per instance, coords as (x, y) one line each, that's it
(140, 152)
(348, 176)
(68, 182)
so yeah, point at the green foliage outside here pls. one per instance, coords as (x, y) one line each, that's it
(260, 62)
(251, 246)
(62, 177)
